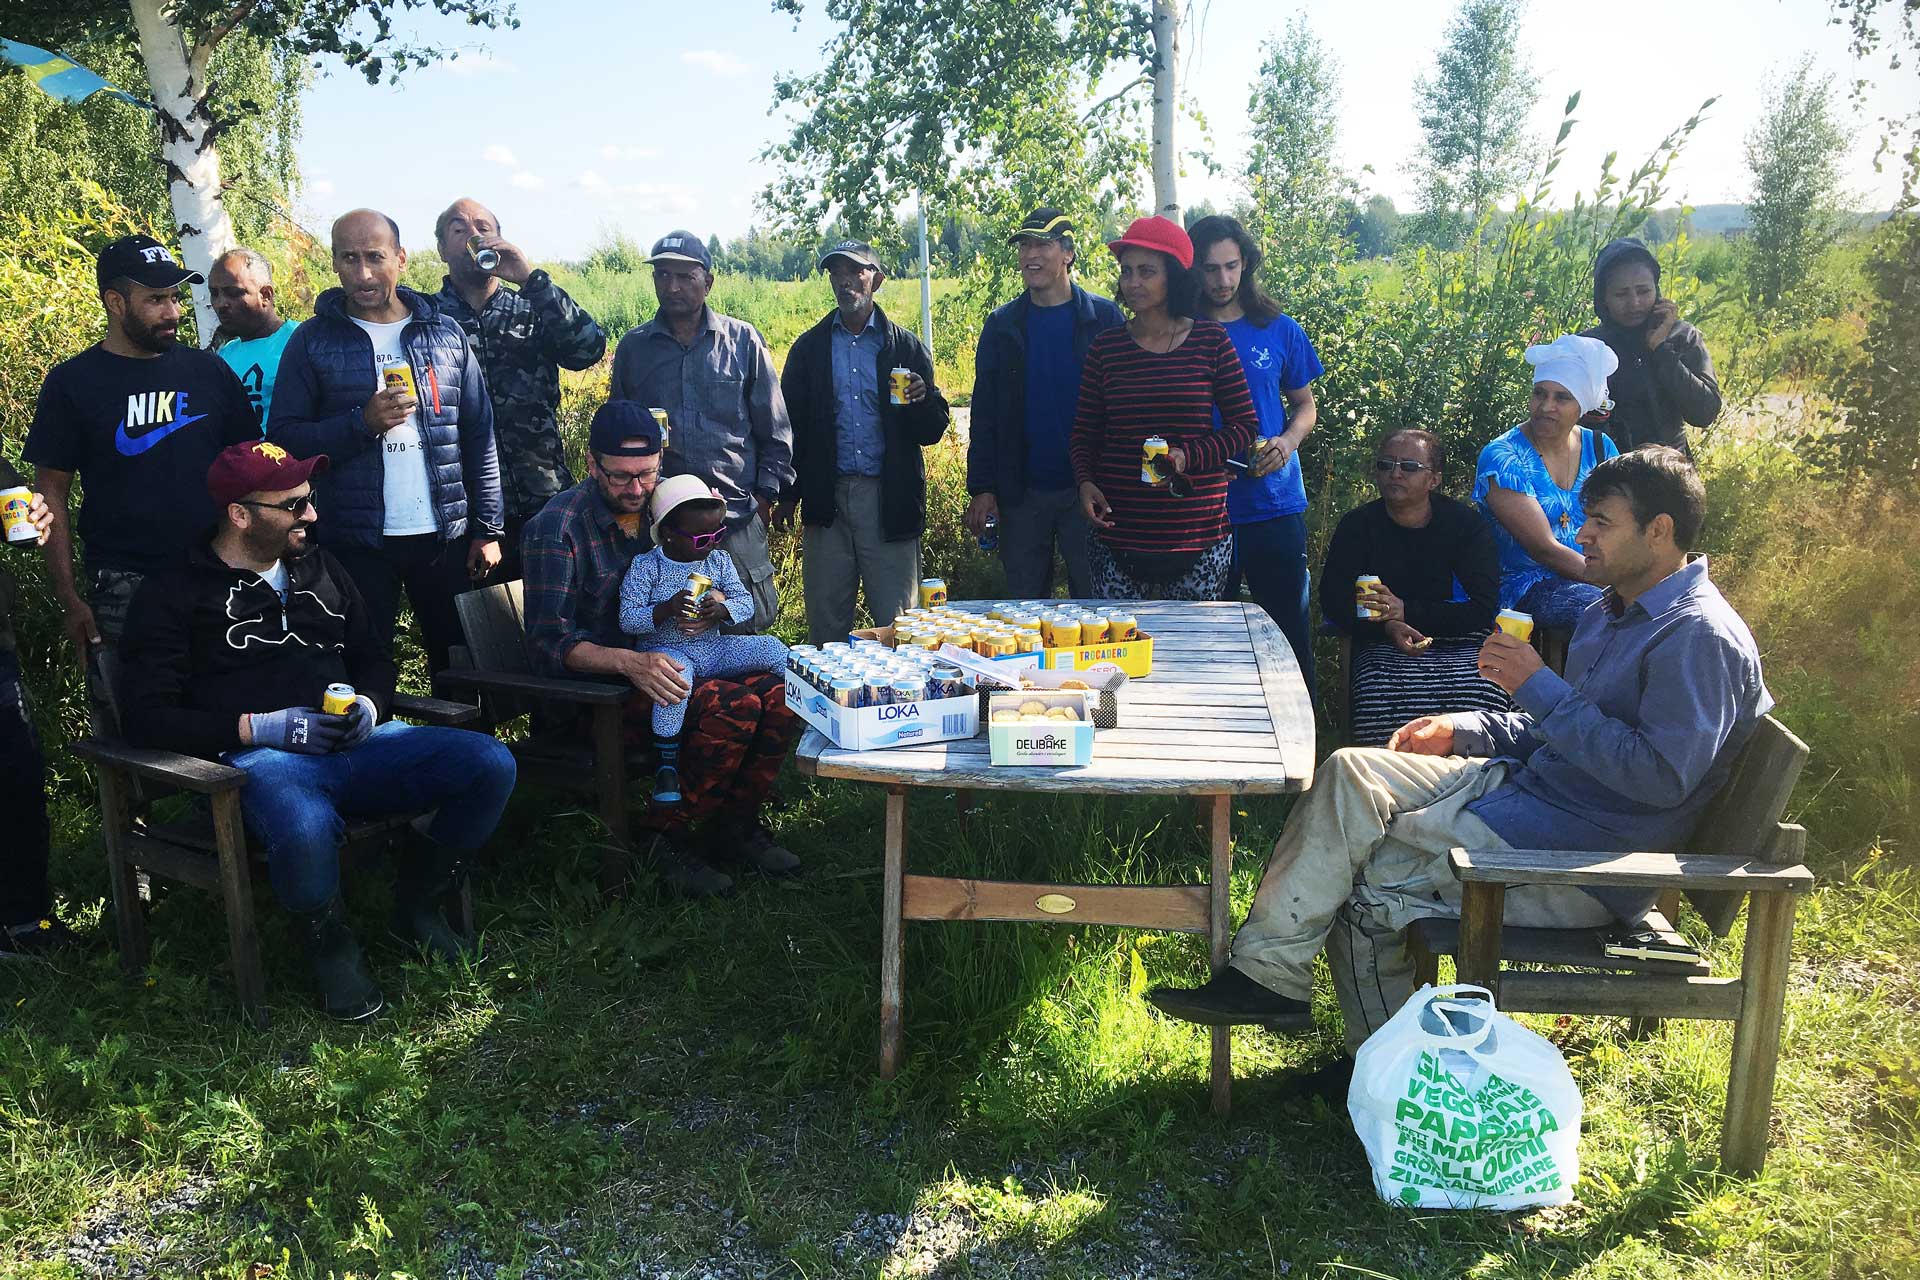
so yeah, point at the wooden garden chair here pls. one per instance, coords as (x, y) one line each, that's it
(1739, 847)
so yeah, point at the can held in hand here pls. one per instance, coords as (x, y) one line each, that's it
(990, 535)
(897, 385)
(1361, 585)
(933, 591)
(1515, 623)
(1154, 448)
(485, 259)
(15, 503)
(698, 584)
(660, 420)
(337, 700)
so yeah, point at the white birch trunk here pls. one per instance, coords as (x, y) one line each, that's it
(179, 85)
(1166, 107)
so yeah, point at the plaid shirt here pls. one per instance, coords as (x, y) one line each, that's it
(575, 557)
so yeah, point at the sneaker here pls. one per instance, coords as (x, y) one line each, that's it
(754, 845)
(666, 785)
(37, 940)
(685, 872)
(1230, 999)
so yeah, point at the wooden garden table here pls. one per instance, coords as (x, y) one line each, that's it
(1224, 713)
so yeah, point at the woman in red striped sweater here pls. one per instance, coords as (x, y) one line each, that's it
(1162, 375)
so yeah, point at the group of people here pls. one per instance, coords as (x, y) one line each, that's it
(253, 515)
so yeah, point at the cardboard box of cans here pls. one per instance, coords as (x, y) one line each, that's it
(1039, 727)
(893, 725)
(863, 695)
(1063, 638)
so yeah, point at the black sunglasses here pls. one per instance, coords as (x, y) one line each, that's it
(292, 506)
(1408, 465)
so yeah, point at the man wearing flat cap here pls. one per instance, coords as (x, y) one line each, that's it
(1026, 385)
(715, 378)
(860, 483)
(576, 553)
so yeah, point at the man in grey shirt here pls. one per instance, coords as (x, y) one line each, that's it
(1662, 690)
(727, 419)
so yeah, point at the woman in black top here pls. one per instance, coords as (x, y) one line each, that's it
(1439, 588)
(1665, 380)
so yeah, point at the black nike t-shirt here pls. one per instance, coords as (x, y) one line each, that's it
(141, 435)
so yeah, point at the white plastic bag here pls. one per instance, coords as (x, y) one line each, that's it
(1461, 1107)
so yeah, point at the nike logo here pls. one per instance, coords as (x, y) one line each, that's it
(148, 407)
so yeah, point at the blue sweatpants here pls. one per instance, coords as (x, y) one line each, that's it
(710, 654)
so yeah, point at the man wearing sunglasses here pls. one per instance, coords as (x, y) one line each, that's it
(229, 658)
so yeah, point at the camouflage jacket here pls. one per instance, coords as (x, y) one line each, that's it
(523, 339)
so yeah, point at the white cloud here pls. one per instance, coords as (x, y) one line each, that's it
(528, 181)
(613, 151)
(714, 61)
(590, 181)
(320, 188)
(497, 154)
(479, 64)
(651, 197)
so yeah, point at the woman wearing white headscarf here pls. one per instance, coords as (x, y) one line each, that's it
(1528, 482)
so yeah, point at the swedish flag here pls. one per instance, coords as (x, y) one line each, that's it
(60, 76)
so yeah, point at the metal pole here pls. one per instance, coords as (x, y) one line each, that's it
(926, 283)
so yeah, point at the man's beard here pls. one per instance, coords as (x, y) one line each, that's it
(149, 339)
(266, 545)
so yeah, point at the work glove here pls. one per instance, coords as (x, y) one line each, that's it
(362, 716)
(307, 731)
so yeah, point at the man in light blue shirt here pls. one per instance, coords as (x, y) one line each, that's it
(252, 336)
(1662, 690)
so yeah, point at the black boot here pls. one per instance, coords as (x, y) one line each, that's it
(1230, 999)
(428, 873)
(347, 991)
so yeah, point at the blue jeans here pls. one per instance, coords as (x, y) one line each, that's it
(1272, 556)
(298, 806)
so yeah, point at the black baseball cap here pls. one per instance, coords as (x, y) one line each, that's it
(1044, 223)
(618, 421)
(145, 261)
(858, 252)
(681, 246)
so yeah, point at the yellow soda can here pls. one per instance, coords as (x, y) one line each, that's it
(933, 592)
(1361, 585)
(897, 385)
(1122, 626)
(698, 584)
(15, 504)
(660, 420)
(337, 700)
(1515, 623)
(1155, 447)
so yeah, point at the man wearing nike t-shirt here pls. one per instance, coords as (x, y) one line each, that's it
(138, 418)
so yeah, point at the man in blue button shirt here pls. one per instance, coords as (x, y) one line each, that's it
(1662, 690)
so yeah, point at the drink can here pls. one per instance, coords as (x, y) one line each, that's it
(908, 689)
(1093, 629)
(845, 692)
(933, 591)
(897, 385)
(1063, 632)
(1122, 626)
(1515, 623)
(15, 503)
(697, 587)
(337, 700)
(485, 259)
(1155, 447)
(990, 535)
(660, 420)
(878, 691)
(947, 680)
(1360, 585)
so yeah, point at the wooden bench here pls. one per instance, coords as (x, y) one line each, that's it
(210, 852)
(597, 764)
(1739, 848)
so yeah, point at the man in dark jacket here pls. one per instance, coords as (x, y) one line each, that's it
(1026, 384)
(1665, 379)
(857, 437)
(524, 336)
(230, 657)
(391, 391)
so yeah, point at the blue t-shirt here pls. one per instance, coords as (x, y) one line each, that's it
(1053, 393)
(255, 361)
(1277, 359)
(1513, 461)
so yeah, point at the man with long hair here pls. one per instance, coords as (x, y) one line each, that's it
(1266, 503)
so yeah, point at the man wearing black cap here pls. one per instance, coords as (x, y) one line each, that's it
(575, 554)
(715, 378)
(228, 657)
(856, 450)
(138, 418)
(1026, 384)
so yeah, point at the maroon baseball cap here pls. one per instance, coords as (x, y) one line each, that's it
(1156, 233)
(258, 466)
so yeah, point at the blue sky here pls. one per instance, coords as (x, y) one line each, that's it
(598, 116)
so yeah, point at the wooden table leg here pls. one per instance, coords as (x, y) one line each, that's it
(891, 943)
(1219, 901)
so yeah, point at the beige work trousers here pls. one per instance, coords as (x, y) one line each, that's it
(849, 555)
(1364, 855)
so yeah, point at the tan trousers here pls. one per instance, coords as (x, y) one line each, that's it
(1364, 855)
(841, 558)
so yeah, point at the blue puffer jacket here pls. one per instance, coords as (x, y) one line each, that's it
(326, 377)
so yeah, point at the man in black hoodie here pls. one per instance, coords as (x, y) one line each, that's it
(229, 657)
(1665, 379)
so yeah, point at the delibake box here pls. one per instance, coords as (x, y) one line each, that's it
(905, 724)
(1045, 742)
(1135, 657)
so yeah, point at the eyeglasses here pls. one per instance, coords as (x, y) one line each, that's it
(628, 479)
(1385, 466)
(704, 541)
(292, 506)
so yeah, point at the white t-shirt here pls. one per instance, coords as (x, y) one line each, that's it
(409, 502)
(276, 578)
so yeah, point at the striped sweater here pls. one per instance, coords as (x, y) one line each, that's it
(1127, 394)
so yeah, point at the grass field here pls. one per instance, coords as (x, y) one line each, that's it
(646, 1088)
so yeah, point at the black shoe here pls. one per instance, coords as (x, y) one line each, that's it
(685, 872)
(347, 991)
(41, 939)
(1231, 999)
(428, 873)
(754, 845)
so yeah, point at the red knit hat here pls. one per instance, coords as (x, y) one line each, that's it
(1156, 233)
